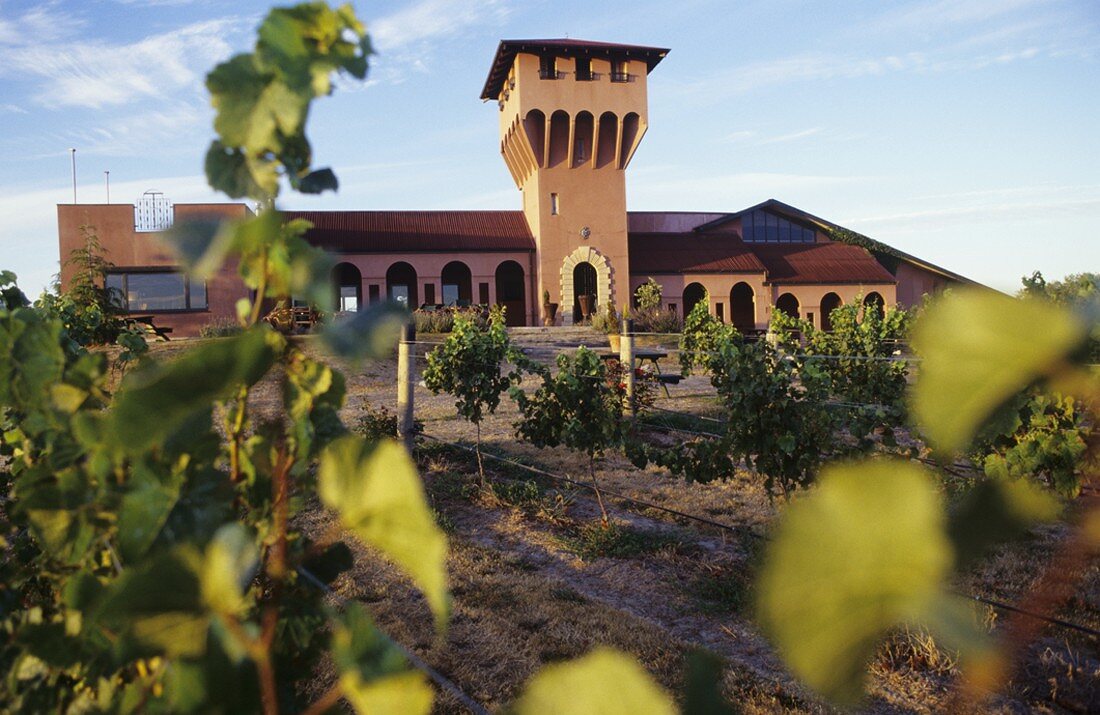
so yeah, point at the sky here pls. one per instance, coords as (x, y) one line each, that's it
(964, 132)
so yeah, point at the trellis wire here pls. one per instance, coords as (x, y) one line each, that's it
(415, 660)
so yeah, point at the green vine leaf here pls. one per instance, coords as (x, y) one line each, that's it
(158, 398)
(379, 497)
(980, 348)
(228, 567)
(864, 552)
(584, 687)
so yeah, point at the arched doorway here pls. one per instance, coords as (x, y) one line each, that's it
(788, 304)
(829, 303)
(457, 284)
(348, 284)
(401, 285)
(873, 302)
(584, 286)
(694, 293)
(511, 292)
(743, 307)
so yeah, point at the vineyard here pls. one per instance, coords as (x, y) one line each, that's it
(898, 514)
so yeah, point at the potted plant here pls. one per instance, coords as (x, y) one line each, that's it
(549, 310)
(607, 322)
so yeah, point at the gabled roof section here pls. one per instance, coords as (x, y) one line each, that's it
(508, 49)
(691, 253)
(829, 262)
(413, 231)
(886, 255)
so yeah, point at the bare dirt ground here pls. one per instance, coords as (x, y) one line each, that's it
(533, 581)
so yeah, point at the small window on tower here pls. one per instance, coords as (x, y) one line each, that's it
(620, 71)
(584, 69)
(548, 67)
(553, 204)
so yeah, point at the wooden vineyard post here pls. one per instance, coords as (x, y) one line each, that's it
(406, 382)
(626, 360)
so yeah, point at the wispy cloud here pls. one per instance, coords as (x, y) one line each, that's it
(664, 187)
(42, 24)
(754, 138)
(96, 74)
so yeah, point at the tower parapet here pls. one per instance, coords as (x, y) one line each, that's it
(572, 114)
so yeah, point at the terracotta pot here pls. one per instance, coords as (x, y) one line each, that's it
(586, 305)
(614, 340)
(550, 314)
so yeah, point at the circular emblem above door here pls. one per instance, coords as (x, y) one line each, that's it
(585, 232)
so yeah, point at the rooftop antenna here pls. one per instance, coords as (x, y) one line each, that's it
(107, 175)
(72, 153)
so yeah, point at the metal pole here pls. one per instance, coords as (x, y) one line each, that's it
(107, 174)
(406, 381)
(72, 154)
(626, 359)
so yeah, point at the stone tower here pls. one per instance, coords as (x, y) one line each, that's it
(572, 113)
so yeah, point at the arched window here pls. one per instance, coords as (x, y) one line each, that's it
(583, 130)
(535, 127)
(584, 291)
(457, 284)
(559, 137)
(694, 293)
(348, 282)
(512, 292)
(873, 301)
(743, 307)
(608, 139)
(829, 303)
(788, 304)
(401, 285)
(630, 134)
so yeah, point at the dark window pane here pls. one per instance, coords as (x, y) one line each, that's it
(785, 231)
(116, 286)
(155, 291)
(198, 295)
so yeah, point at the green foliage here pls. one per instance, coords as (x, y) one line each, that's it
(378, 495)
(606, 320)
(979, 349)
(657, 320)
(1080, 291)
(702, 333)
(468, 365)
(262, 100)
(617, 541)
(1043, 436)
(443, 320)
(872, 548)
(832, 586)
(220, 329)
(648, 295)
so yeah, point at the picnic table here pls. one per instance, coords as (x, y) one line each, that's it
(146, 323)
(652, 356)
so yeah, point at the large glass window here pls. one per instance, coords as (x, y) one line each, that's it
(764, 227)
(156, 291)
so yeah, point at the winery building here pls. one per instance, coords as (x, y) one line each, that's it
(572, 113)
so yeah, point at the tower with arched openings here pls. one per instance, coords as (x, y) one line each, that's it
(572, 114)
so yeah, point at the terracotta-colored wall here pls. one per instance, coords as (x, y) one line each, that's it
(127, 248)
(429, 268)
(915, 282)
(809, 296)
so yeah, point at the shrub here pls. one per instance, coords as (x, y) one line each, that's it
(648, 295)
(577, 407)
(657, 320)
(701, 335)
(221, 328)
(606, 320)
(442, 320)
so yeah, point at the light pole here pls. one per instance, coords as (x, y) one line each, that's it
(107, 175)
(72, 153)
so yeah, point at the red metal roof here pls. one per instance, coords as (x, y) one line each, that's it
(828, 262)
(407, 231)
(508, 49)
(691, 253)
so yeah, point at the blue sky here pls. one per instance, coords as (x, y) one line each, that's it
(963, 132)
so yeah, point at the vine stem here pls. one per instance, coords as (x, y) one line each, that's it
(480, 466)
(326, 702)
(596, 488)
(260, 290)
(236, 433)
(276, 569)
